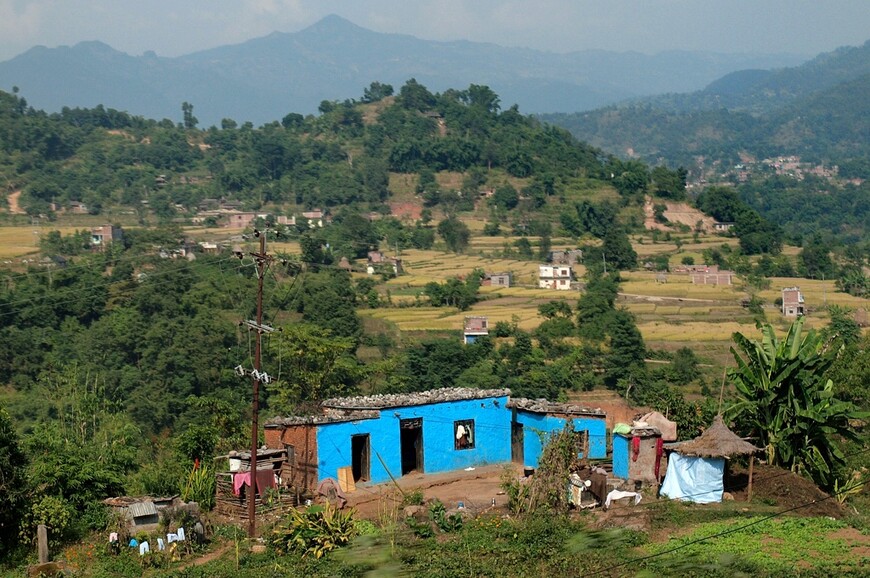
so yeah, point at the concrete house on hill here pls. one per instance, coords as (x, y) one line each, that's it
(792, 302)
(102, 237)
(555, 277)
(474, 328)
(496, 280)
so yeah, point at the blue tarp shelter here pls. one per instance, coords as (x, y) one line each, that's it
(696, 468)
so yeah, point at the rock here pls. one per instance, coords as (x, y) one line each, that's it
(419, 513)
(461, 512)
(47, 569)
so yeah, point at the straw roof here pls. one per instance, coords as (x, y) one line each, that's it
(716, 442)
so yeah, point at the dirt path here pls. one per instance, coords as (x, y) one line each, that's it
(223, 549)
(14, 207)
(655, 298)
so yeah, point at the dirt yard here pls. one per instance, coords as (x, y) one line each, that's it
(474, 488)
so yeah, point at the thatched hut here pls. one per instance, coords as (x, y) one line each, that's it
(696, 468)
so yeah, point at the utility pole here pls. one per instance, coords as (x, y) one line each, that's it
(262, 260)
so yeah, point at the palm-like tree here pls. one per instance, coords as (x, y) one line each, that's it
(786, 400)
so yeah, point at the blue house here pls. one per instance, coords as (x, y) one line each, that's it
(392, 435)
(533, 421)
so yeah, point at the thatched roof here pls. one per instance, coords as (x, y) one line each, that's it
(716, 442)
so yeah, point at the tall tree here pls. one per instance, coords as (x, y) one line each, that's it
(455, 234)
(190, 121)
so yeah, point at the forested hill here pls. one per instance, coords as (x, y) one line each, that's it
(345, 156)
(817, 111)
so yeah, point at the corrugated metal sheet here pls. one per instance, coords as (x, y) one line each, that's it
(142, 509)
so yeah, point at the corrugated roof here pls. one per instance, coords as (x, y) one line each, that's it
(140, 509)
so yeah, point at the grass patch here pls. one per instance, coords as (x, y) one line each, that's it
(758, 546)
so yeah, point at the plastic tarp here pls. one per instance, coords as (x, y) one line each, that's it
(694, 479)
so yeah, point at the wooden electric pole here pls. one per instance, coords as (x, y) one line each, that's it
(257, 375)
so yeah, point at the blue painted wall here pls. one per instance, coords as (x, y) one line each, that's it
(492, 435)
(537, 428)
(621, 448)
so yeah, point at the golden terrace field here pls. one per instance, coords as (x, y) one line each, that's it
(669, 315)
(17, 242)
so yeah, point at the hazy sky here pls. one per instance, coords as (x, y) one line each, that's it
(175, 27)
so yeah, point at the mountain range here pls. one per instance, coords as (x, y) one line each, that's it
(818, 110)
(263, 79)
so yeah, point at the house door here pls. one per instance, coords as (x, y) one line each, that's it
(360, 449)
(411, 442)
(517, 454)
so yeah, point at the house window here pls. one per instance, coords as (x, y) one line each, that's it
(463, 434)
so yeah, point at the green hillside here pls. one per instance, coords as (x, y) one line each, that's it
(120, 362)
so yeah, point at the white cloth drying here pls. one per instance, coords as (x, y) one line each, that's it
(618, 495)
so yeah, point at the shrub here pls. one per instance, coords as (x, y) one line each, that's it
(316, 531)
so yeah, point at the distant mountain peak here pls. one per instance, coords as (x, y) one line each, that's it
(333, 23)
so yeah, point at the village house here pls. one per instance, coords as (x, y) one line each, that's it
(102, 237)
(377, 258)
(314, 217)
(711, 275)
(475, 328)
(381, 437)
(637, 455)
(374, 438)
(77, 208)
(239, 220)
(534, 421)
(565, 257)
(496, 280)
(792, 302)
(555, 277)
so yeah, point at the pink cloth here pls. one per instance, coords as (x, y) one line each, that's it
(241, 479)
(265, 479)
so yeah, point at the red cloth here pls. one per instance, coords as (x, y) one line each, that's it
(635, 448)
(660, 447)
(265, 479)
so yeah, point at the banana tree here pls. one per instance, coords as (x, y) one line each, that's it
(786, 400)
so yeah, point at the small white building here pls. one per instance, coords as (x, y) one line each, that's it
(555, 277)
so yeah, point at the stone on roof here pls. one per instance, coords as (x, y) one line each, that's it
(331, 417)
(383, 401)
(544, 406)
